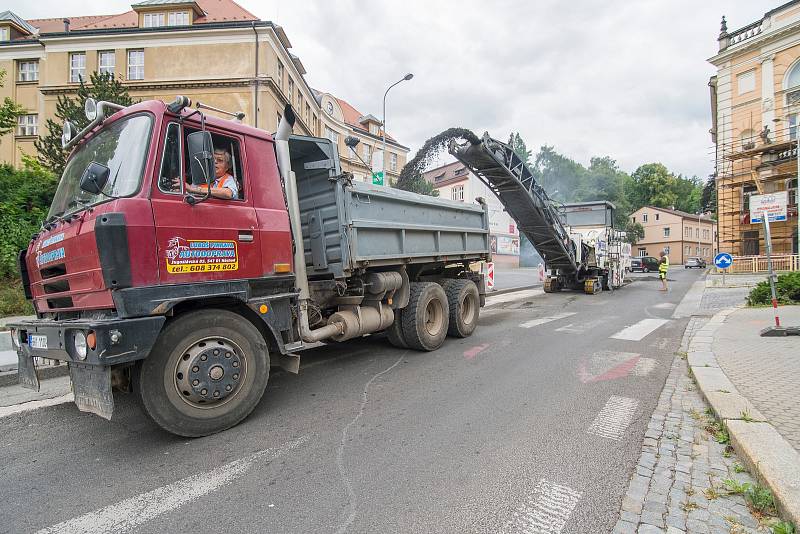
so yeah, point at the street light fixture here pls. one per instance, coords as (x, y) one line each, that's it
(383, 123)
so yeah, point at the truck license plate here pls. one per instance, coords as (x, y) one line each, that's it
(37, 341)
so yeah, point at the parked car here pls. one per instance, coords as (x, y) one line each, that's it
(700, 263)
(644, 264)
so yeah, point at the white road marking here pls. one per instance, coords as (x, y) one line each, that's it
(129, 514)
(639, 330)
(546, 510)
(664, 306)
(35, 405)
(512, 296)
(583, 327)
(543, 320)
(644, 367)
(614, 418)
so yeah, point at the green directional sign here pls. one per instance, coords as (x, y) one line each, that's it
(377, 178)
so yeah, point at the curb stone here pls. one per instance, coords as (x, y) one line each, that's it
(763, 449)
(46, 372)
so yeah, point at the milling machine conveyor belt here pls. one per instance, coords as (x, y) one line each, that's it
(498, 166)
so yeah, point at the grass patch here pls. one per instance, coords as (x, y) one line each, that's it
(746, 416)
(738, 468)
(12, 299)
(783, 527)
(718, 432)
(759, 499)
(711, 493)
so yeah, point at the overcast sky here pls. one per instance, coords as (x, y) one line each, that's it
(626, 79)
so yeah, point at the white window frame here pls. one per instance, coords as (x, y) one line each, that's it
(373, 129)
(392, 161)
(107, 68)
(666, 231)
(457, 193)
(644, 217)
(172, 18)
(77, 66)
(28, 70)
(642, 252)
(135, 70)
(5, 34)
(153, 20)
(657, 216)
(366, 152)
(332, 134)
(792, 118)
(666, 249)
(28, 125)
(746, 82)
(280, 74)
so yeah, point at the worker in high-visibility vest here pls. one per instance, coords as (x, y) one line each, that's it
(663, 267)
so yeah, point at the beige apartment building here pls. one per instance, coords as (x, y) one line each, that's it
(212, 51)
(681, 235)
(755, 105)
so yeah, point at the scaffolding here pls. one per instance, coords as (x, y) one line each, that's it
(752, 164)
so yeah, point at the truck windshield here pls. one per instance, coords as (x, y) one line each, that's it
(122, 147)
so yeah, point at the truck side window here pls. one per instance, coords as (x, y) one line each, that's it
(229, 145)
(169, 178)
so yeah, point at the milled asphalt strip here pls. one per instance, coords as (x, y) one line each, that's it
(546, 510)
(5, 411)
(128, 514)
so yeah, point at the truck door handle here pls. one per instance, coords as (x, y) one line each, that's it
(246, 237)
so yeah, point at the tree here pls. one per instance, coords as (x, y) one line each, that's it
(708, 198)
(100, 87)
(557, 174)
(9, 110)
(652, 185)
(516, 142)
(633, 231)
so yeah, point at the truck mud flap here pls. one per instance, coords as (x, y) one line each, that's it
(26, 373)
(92, 387)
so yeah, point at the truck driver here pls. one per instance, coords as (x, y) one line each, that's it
(224, 185)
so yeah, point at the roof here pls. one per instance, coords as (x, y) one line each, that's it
(14, 19)
(447, 174)
(679, 213)
(214, 11)
(353, 117)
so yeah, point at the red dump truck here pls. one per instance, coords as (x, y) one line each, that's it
(145, 282)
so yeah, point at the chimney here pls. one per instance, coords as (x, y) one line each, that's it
(66, 25)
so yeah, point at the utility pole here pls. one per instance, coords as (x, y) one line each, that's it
(383, 125)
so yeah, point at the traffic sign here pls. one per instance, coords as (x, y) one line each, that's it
(377, 178)
(723, 260)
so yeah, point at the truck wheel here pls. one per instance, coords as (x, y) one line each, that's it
(206, 372)
(464, 304)
(425, 319)
(395, 332)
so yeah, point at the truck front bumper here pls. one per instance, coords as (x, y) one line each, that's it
(116, 341)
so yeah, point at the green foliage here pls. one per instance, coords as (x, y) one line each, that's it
(787, 289)
(718, 432)
(783, 527)
(25, 196)
(633, 232)
(758, 497)
(418, 184)
(516, 142)
(100, 87)
(708, 198)
(9, 110)
(12, 299)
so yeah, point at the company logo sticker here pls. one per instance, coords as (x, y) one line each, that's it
(196, 256)
(52, 240)
(50, 256)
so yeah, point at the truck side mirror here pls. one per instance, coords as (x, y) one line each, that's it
(201, 157)
(94, 178)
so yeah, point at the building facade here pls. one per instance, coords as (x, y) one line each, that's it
(213, 51)
(755, 105)
(339, 120)
(681, 235)
(455, 182)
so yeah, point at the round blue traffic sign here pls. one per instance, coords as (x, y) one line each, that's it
(723, 260)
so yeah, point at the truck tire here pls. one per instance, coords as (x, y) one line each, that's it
(426, 318)
(395, 332)
(207, 371)
(464, 303)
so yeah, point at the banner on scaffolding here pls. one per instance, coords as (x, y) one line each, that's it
(774, 204)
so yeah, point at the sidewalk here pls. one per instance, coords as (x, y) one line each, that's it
(752, 384)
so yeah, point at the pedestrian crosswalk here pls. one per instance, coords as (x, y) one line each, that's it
(638, 331)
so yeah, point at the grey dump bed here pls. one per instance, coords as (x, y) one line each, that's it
(347, 225)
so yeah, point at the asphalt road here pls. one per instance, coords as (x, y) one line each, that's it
(533, 424)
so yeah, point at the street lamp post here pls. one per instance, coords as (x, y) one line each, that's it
(383, 124)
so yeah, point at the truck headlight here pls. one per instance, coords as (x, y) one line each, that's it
(79, 342)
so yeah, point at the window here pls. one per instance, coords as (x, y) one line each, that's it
(28, 71)
(235, 169)
(688, 250)
(178, 18)
(373, 129)
(746, 81)
(633, 219)
(291, 90)
(280, 75)
(666, 231)
(457, 193)
(77, 66)
(791, 186)
(642, 252)
(697, 232)
(136, 64)
(4, 33)
(106, 61)
(366, 152)
(392, 161)
(308, 114)
(332, 135)
(152, 20)
(27, 124)
(278, 123)
(644, 217)
(657, 216)
(299, 101)
(169, 180)
(666, 250)
(747, 191)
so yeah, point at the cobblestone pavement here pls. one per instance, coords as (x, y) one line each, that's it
(723, 297)
(678, 483)
(766, 370)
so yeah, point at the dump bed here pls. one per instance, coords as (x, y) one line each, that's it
(347, 224)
